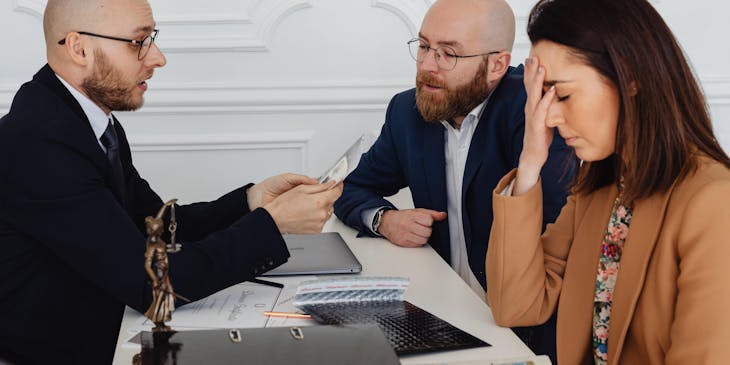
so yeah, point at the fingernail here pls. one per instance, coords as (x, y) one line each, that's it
(552, 88)
(528, 61)
(540, 69)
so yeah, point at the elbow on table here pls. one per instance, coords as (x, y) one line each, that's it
(508, 314)
(505, 318)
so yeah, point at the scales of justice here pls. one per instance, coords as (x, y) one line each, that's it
(158, 347)
(157, 265)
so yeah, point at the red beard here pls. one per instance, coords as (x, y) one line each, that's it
(450, 102)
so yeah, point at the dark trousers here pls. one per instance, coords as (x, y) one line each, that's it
(540, 339)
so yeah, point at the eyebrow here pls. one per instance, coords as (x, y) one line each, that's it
(454, 44)
(548, 83)
(145, 29)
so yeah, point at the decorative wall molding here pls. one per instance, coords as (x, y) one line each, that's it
(521, 39)
(244, 32)
(272, 97)
(410, 12)
(273, 18)
(31, 7)
(204, 19)
(249, 31)
(298, 141)
(212, 98)
(7, 93)
(717, 90)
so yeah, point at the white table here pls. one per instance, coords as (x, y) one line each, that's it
(434, 287)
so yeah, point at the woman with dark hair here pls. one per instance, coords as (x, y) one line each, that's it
(637, 261)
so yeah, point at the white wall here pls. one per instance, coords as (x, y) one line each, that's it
(253, 88)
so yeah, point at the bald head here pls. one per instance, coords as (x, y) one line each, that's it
(119, 18)
(64, 16)
(492, 20)
(68, 19)
(97, 56)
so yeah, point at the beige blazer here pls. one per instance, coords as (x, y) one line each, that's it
(671, 302)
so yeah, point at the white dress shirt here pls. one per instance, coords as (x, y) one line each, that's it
(456, 151)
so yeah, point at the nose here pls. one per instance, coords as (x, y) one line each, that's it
(429, 62)
(554, 116)
(155, 58)
(552, 123)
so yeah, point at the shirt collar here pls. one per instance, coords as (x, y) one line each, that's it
(473, 115)
(97, 118)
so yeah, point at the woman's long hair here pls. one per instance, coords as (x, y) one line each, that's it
(663, 118)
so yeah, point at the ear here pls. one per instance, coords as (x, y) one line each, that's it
(499, 63)
(77, 49)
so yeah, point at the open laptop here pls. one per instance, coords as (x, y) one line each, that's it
(316, 254)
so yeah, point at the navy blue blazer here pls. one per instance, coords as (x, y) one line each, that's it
(72, 254)
(410, 152)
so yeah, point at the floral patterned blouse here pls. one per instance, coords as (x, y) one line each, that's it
(608, 265)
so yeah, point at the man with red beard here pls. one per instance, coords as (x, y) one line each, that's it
(72, 205)
(450, 140)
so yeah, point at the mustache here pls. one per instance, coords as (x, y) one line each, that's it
(146, 77)
(427, 79)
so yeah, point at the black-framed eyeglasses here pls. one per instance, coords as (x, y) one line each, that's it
(144, 44)
(445, 56)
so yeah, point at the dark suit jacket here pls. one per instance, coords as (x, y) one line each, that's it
(410, 152)
(72, 255)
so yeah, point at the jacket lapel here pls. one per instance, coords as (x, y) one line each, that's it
(477, 151)
(47, 77)
(434, 164)
(434, 169)
(125, 157)
(78, 134)
(575, 311)
(644, 230)
(477, 154)
(84, 138)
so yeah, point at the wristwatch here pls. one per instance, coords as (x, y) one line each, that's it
(378, 220)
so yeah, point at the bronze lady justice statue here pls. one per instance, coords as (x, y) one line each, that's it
(157, 265)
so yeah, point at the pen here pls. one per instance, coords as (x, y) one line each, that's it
(288, 315)
(267, 283)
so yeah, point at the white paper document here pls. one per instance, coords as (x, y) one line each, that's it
(239, 306)
(285, 304)
(349, 160)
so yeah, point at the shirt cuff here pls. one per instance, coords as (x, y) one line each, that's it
(367, 216)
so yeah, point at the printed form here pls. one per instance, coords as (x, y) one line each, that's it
(239, 306)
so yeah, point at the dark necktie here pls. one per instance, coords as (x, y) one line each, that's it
(111, 142)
